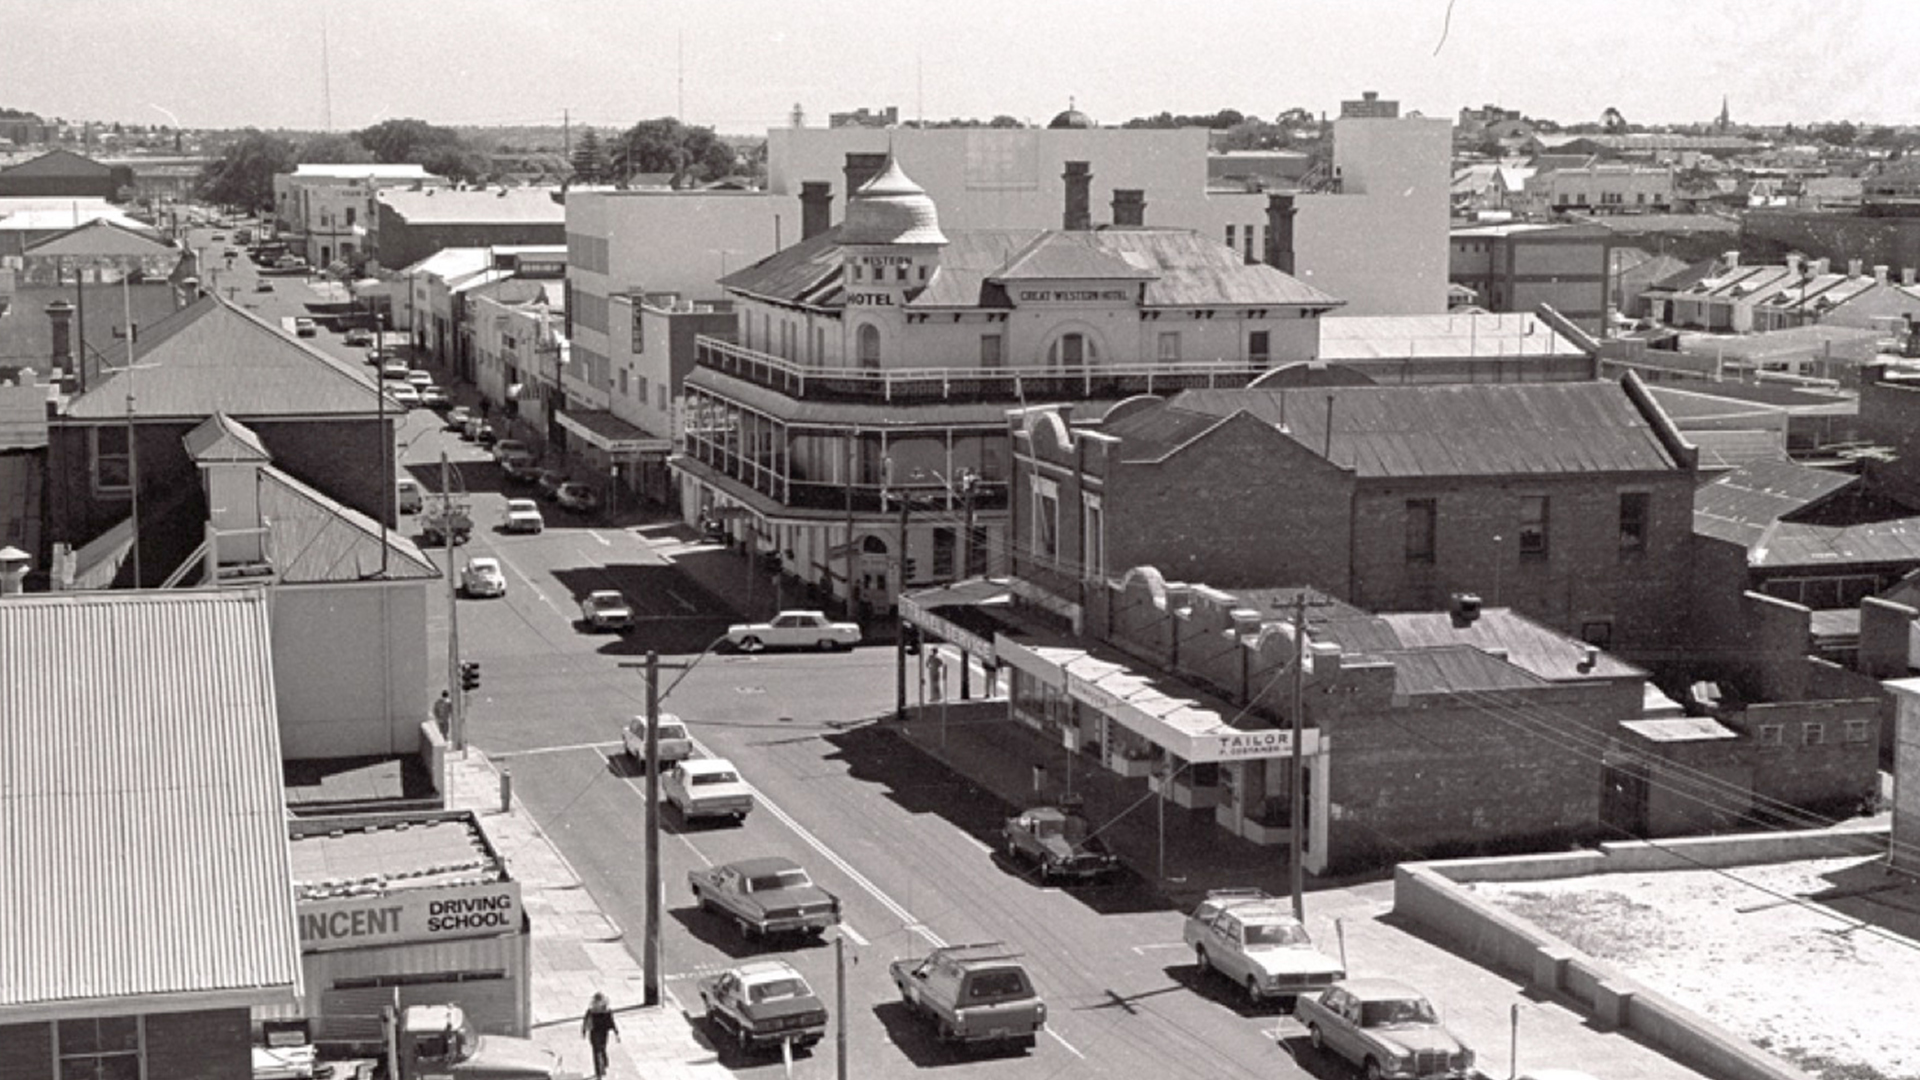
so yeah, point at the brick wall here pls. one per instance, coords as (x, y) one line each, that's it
(1890, 413)
(212, 1044)
(26, 1052)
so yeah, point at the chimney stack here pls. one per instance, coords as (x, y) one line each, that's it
(1464, 608)
(1879, 274)
(60, 314)
(1129, 206)
(1853, 267)
(1906, 275)
(862, 168)
(1079, 209)
(1280, 211)
(1822, 266)
(1793, 263)
(816, 208)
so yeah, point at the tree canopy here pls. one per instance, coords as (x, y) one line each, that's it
(440, 150)
(667, 145)
(590, 158)
(243, 174)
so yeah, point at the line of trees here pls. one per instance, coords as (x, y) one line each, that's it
(243, 174)
(692, 154)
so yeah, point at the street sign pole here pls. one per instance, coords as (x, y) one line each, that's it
(651, 960)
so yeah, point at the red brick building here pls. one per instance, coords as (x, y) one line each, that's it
(1570, 503)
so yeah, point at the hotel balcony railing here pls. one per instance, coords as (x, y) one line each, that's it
(955, 385)
(761, 475)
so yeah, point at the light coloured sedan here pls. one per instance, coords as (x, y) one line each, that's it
(605, 609)
(405, 394)
(483, 577)
(674, 745)
(523, 515)
(794, 630)
(707, 787)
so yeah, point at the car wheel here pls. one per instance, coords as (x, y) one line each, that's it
(747, 929)
(1200, 959)
(750, 644)
(743, 1040)
(1253, 990)
(826, 645)
(1315, 1039)
(1013, 851)
(1373, 1072)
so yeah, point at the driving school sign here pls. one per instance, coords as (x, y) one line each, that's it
(408, 915)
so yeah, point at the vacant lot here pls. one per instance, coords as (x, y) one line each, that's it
(1817, 962)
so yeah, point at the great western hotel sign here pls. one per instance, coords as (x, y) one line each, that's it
(410, 915)
(1072, 296)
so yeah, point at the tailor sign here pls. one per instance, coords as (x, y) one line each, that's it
(410, 915)
(1247, 745)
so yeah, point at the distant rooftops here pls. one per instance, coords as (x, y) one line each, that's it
(395, 173)
(447, 206)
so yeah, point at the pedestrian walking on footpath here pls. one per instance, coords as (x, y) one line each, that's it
(443, 711)
(596, 1025)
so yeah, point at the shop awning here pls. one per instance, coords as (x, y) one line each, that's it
(1160, 708)
(608, 432)
(961, 613)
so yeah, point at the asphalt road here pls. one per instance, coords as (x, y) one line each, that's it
(907, 845)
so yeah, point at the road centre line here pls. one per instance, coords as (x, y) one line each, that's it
(569, 748)
(845, 867)
(1141, 950)
(847, 929)
(1071, 1049)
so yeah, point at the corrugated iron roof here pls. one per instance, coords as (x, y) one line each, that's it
(1054, 256)
(1680, 729)
(316, 539)
(1454, 669)
(1528, 645)
(1876, 542)
(142, 842)
(213, 356)
(103, 236)
(1463, 430)
(1741, 505)
(1720, 450)
(487, 206)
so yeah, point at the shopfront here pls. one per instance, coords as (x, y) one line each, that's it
(633, 463)
(1198, 750)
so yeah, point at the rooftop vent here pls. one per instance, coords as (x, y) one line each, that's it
(1464, 608)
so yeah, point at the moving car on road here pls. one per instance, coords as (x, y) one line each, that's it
(1386, 1028)
(457, 419)
(1253, 940)
(523, 515)
(764, 1004)
(482, 577)
(707, 787)
(674, 742)
(604, 609)
(794, 630)
(548, 482)
(433, 397)
(973, 994)
(1059, 842)
(404, 393)
(359, 337)
(577, 497)
(768, 895)
(511, 448)
(305, 327)
(446, 517)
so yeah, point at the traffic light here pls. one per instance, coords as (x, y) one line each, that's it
(469, 674)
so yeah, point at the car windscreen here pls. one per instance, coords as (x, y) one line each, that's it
(672, 731)
(1276, 934)
(780, 879)
(1396, 1011)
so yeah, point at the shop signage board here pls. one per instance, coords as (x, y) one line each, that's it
(410, 915)
(1247, 745)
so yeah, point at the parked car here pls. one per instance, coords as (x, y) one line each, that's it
(263, 286)
(420, 379)
(603, 609)
(1253, 941)
(674, 742)
(456, 419)
(359, 337)
(520, 470)
(408, 494)
(973, 994)
(522, 515)
(433, 397)
(764, 1004)
(483, 577)
(577, 497)
(548, 481)
(1386, 1028)
(395, 370)
(707, 787)
(768, 895)
(794, 630)
(404, 393)
(305, 327)
(483, 432)
(506, 448)
(1059, 842)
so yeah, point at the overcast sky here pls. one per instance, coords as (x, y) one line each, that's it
(741, 65)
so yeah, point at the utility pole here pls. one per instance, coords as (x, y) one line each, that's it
(1296, 874)
(899, 618)
(840, 1006)
(566, 136)
(969, 483)
(133, 459)
(650, 958)
(455, 688)
(852, 448)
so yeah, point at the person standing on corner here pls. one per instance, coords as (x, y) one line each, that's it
(443, 711)
(596, 1025)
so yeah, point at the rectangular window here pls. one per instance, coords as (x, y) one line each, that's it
(1259, 347)
(1169, 346)
(1858, 730)
(1813, 734)
(641, 388)
(1093, 537)
(1597, 633)
(661, 393)
(943, 547)
(991, 354)
(1772, 734)
(623, 382)
(1634, 508)
(101, 1048)
(639, 330)
(112, 466)
(1421, 517)
(1533, 525)
(1232, 232)
(1046, 519)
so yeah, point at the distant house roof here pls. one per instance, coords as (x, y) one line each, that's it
(213, 356)
(104, 236)
(452, 262)
(159, 869)
(57, 162)
(335, 171)
(489, 206)
(1869, 543)
(1741, 506)
(1404, 337)
(1457, 430)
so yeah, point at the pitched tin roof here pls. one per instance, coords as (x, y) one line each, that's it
(103, 236)
(212, 356)
(489, 206)
(316, 539)
(159, 866)
(1741, 505)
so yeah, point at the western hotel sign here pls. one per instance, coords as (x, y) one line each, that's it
(410, 915)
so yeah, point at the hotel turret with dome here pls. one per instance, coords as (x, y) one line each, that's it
(874, 363)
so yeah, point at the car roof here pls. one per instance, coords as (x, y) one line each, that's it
(764, 864)
(665, 718)
(484, 562)
(709, 764)
(1374, 989)
(606, 594)
(766, 970)
(522, 504)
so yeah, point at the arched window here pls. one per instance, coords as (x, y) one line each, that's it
(869, 346)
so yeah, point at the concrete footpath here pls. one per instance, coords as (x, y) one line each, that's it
(577, 949)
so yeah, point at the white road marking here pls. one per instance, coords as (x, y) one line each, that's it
(603, 540)
(510, 755)
(1071, 1049)
(847, 929)
(977, 842)
(522, 575)
(1141, 950)
(685, 604)
(906, 917)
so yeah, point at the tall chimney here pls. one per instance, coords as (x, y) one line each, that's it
(816, 208)
(1079, 209)
(1280, 211)
(862, 168)
(60, 314)
(1129, 206)
(1880, 274)
(1853, 267)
